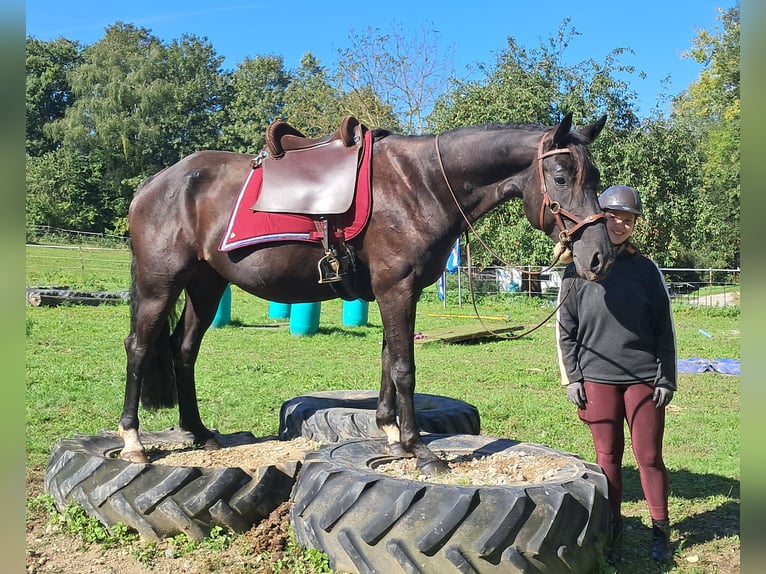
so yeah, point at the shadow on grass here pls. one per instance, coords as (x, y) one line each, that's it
(719, 522)
(276, 326)
(689, 528)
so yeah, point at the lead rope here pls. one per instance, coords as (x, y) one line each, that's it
(487, 247)
(476, 310)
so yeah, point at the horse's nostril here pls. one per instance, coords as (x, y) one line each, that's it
(600, 266)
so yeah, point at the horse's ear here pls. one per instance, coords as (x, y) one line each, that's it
(591, 132)
(562, 129)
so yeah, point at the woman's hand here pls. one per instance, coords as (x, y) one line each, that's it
(576, 394)
(662, 396)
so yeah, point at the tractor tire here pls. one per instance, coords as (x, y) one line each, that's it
(158, 500)
(367, 521)
(333, 416)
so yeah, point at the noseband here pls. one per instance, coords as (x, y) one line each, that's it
(565, 235)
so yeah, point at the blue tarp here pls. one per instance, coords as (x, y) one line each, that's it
(697, 365)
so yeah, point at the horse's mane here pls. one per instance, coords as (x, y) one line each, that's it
(574, 140)
(497, 126)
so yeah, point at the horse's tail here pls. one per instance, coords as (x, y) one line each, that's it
(158, 387)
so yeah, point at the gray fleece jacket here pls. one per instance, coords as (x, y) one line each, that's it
(618, 330)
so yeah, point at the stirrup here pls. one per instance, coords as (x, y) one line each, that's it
(329, 269)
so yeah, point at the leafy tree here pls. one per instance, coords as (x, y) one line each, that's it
(48, 93)
(311, 103)
(710, 109)
(192, 112)
(138, 106)
(365, 104)
(257, 96)
(655, 159)
(116, 90)
(60, 191)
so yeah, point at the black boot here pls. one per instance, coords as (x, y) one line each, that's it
(661, 540)
(614, 555)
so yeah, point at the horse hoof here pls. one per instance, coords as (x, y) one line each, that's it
(137, 456)
(433, 467)
(211, 444)
(397, 450)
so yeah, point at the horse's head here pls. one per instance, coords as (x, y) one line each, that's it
(562, 200)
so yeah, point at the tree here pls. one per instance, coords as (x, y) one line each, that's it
(257, 96)
(61, 191)
(192, 113)
(710, 109)
(311, 103)
(656, 159)
(48, 93)
(138, 106)
(402, 73)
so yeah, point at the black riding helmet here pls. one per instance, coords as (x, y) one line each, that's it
(621, 198)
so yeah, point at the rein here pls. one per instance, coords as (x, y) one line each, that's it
(504, 335)
(565, 235)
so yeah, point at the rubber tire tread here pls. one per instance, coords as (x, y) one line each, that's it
(160, 500)
(333, 416)
(367, 521)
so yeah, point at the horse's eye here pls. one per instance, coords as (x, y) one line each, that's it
(560, 180)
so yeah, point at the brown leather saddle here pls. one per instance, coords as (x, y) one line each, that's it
(315, 177)
(309, 176)
(282, 137)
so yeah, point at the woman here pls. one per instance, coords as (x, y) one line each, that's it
(617, 354)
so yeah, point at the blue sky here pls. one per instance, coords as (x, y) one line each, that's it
(657, 31)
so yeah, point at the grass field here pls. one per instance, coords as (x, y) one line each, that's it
(75, 365)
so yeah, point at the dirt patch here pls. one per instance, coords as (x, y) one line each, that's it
(248, 457)
(498, 469)
(715, 300)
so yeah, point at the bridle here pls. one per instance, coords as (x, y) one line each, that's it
(565, 235)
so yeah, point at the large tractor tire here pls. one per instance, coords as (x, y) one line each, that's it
(333, 416)
(158, 500)
(367, 521)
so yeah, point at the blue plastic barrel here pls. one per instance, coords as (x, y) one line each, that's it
(279, 310)
(304, 318)
(355, 313)
(223, 314)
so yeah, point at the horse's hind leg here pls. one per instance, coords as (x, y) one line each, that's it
(149, 377)
(203, 294)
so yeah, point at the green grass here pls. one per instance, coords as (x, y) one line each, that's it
(75, 364)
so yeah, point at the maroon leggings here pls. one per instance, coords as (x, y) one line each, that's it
(607, 407)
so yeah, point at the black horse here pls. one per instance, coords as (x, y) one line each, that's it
(426, 190)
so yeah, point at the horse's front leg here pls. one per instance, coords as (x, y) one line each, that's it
(403, 371)
(399, 373)
(385, 415)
